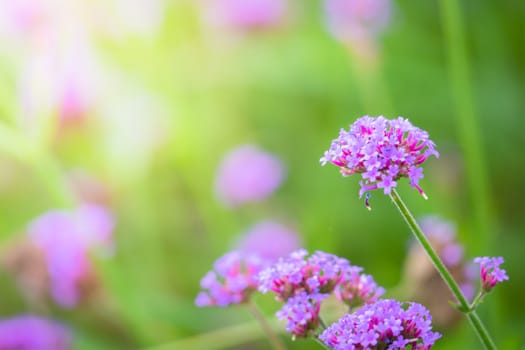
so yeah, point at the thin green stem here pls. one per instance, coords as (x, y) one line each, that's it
(272, 336)
(464, 305)
(225, 338)
(322, 323)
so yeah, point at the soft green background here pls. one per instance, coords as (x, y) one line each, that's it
(290, 91)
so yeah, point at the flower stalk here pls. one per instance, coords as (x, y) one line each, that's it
(273, 338)
(464, 305)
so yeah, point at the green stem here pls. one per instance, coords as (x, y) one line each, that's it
(225, 338)
(322, 323)
(272, 336)
(464, 305)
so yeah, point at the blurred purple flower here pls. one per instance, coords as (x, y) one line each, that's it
(319, 273)
(357, 20)
(442, 234)
(383, 151)
(247, 174)
(270, 240)
(66, 237)
(232, 280)
(356, 288)
(27, 332)
(246, 14)
(381, 325)
(490, 272)
(302, 313)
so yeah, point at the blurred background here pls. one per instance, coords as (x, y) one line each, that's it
(141, 140)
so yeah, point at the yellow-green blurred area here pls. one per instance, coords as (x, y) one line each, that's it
(164, 89)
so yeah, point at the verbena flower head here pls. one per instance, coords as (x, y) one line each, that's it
(382, 151)
(385, 324)
(232, 280)
(302, 313)
(66, 238)
(270, 240)
(248, 174)
(27, 332)
(319, 273)
(356, 289)
(490, 272)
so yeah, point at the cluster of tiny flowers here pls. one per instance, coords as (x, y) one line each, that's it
(27, 332)
(319, 273)
(302, 313)
(385, 324)
(490, 272)
(383, 151)
(302, 282)
(356, 289)
(232, 281)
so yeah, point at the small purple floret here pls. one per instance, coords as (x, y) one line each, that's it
(490, 272)
(385, 324)
(382, 151)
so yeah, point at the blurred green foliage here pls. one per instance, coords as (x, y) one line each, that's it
(288, 90)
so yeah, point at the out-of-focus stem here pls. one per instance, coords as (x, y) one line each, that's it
(272, 336)
(464, 305)
(476, 169)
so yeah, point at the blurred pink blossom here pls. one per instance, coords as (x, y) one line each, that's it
(66, 238)
(270, 240)
(357, 23)
(246, 14)
(247, 174)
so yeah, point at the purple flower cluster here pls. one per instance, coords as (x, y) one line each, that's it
(356, 289)
(27, 332)
(302, 282)
(232, 281)
(383, 151)
(302, 313)
(385, 324)
(247, 174)
(319, 273)
(490, 272)
(66, 238)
